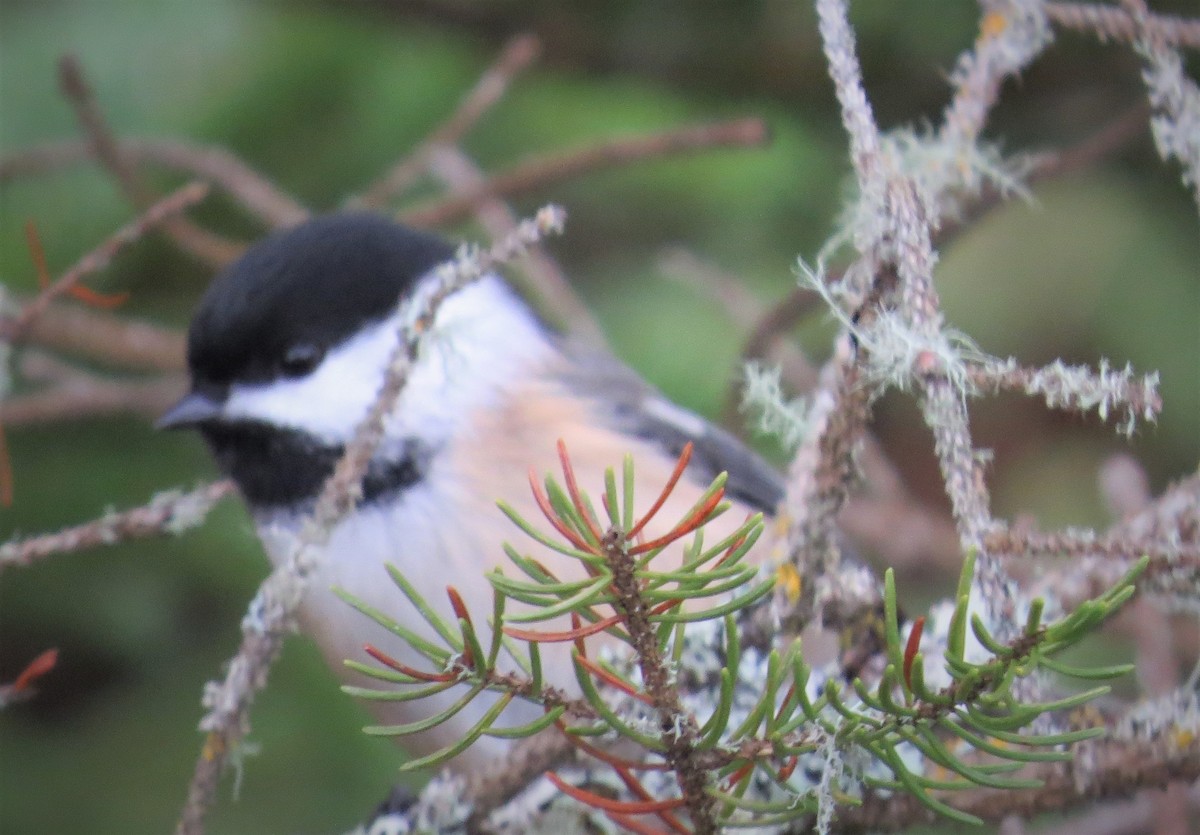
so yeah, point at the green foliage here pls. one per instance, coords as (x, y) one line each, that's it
(916, 738)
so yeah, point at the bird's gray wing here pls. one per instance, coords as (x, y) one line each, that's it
(632, 406)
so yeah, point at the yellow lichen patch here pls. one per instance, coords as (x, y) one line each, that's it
(992, 25)
(214, 746)
(788, 579)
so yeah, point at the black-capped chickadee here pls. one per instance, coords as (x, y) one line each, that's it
(287, 352)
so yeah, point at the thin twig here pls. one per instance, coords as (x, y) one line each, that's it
(551, 168)
(490, 787)
(1112, 23)
(102, 337)
(680, 733)
(516, 55)
(745, 310)
(822, 469)
(158, 213)
(1011, 35)
(1173, 94)
(252, 190)
(75, 393)
(171, 512)
(199, 242)
(1018, 542)
(1168, 529)
(537, 275)
(1051, 165)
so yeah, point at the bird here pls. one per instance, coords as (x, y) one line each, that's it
(286, 352)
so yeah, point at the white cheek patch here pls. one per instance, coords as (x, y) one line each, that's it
(481, 342)
(329, 402)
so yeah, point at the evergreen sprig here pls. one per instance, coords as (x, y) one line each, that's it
(726, 753)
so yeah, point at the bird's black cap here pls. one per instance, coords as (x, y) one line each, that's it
(314, 285)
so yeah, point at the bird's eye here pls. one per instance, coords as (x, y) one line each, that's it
(300, 359)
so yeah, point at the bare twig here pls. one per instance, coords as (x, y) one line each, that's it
(746, 311)
(1128, 817)
(490, 787)
(1126, 488)
(550, 168)
(158, 213)
(199, 242)
(1077, 388)
(105, 338)
(1019, 542)
(271, 613)
(1011, 35)
(171, 512)
(75, 393)
(1168, 529)
(1113, 23)
(517, 54)
(252, 190)
(1174, 96)
(821, 471)
(1049, 165)
(537, 274)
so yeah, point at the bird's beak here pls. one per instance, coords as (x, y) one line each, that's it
(195, 409)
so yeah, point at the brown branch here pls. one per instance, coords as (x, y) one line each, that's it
(1107, 140)
(489, 788)
(744, 309)
(1167, 530)
(1126, 489)
(1169, 526)
(550, 168)
(537, 274)
(192, 238)
(1123, 817)
(105, 338)
(1103, 142)
(774, 322)
(171, 512)
(517, 54)
(679, 731)
(1109, 768)
(1018, 542)
(158, 213)
(1112, 23)
(75, 393)
(252, 190)
(824, 467)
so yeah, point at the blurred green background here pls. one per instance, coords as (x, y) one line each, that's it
(321, 97)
